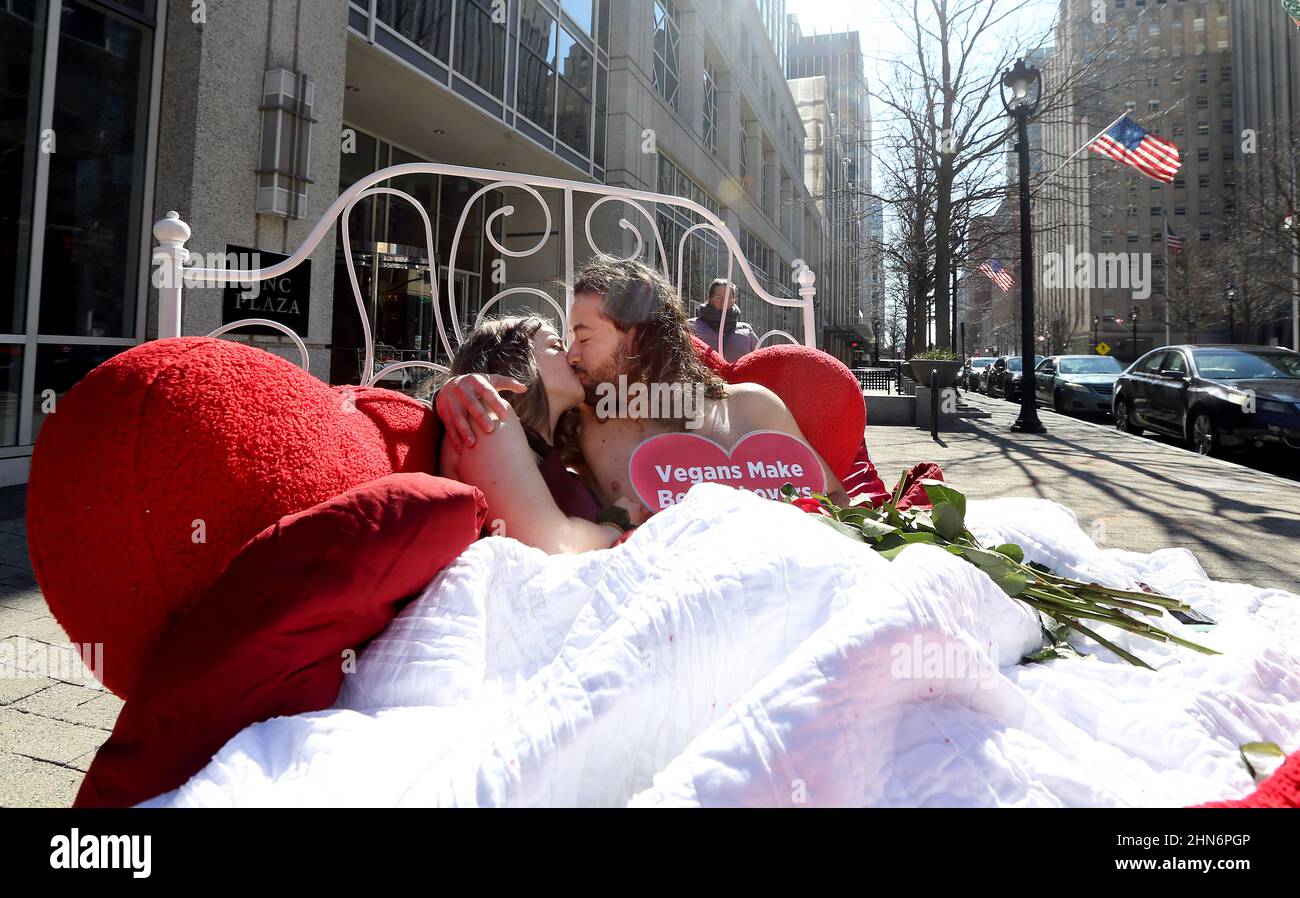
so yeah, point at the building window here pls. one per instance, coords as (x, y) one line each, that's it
(1203, 181)
(1203, 154)
(425, 23)
(573, 113)
(88, 252)
(1202, 127)
(710, 117)
(1202, 102)
(667, 51)
(535, 88)
(481, 46)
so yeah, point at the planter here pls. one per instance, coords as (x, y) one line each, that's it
(947, 371)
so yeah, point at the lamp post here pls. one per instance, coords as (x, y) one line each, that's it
(1096, 328)
(1232, 325)
(1133, 316)
(1022, 87)
(875, 346)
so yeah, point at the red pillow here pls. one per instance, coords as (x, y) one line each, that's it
(267, 638)
(166, 459)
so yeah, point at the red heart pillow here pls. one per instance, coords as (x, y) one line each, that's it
(163, 461)
(268, 638)
(821, 393)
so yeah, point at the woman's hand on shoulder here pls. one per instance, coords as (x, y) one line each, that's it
(473, 401)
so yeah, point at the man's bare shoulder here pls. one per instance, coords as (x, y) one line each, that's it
(753, 395)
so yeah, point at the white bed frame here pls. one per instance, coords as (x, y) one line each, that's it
(171, 272)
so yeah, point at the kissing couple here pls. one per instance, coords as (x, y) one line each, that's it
(523, 421)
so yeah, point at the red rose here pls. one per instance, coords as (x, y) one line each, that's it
(810, 505)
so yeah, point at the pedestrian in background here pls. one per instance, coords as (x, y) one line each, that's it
(740, 338)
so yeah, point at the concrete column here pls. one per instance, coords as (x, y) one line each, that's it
(210, 136)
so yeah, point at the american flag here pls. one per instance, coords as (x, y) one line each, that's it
(998, 275)
(1130, 143)
(1173, 242)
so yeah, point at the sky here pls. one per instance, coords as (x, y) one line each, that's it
(882, 39)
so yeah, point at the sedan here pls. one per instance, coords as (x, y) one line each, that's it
(974, 368)
(1077, 383)
(1213, 397)
(1005, 376)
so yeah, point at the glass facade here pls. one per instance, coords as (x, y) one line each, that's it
(73, 147)
(390, 250)
(539, 66)
(667, 52)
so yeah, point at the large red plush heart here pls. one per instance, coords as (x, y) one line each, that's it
(821, 393)
(163, 461)
(664, 467)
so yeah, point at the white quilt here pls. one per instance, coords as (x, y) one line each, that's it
(736, 652)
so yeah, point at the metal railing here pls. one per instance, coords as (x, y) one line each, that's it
(171, 272)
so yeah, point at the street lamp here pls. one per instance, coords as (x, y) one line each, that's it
(1133, 316)
(1232, 299)
(1096, 327)
(875, 347)
(1022, 87)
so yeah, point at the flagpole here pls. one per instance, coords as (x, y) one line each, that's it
(1085, 146)
(1165, 240)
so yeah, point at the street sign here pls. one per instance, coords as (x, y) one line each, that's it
(1103, 348)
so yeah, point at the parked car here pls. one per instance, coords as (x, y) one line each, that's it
(1005, 375)
(1077, 383)
(971, 372)
(1213, 397)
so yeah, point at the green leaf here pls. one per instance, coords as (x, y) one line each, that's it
(874, 529)
(851, 532)
(1052, 653)
(788, 491)
(1261, 758)
(1013, 583)
(938, 491)
(921, 520)
(1014, 552)
(994, 564)
(947, 520)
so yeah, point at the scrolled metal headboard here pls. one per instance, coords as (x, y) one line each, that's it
(172, 273)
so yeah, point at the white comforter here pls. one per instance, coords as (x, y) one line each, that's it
(737, 652)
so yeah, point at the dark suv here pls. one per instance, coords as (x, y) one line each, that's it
(1213, 397)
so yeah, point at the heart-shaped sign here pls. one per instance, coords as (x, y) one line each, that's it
(664, 467)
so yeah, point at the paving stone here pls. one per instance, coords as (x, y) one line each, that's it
(15, 686)
(12, 596)
(30, 783)
(74, 704)
(14, 621)
(44, 738)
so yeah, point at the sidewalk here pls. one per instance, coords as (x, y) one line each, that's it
(50, 728)
(1128, 492)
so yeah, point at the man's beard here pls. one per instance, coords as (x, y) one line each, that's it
(618, 363)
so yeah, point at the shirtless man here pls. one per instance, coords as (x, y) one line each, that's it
(628, 320)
